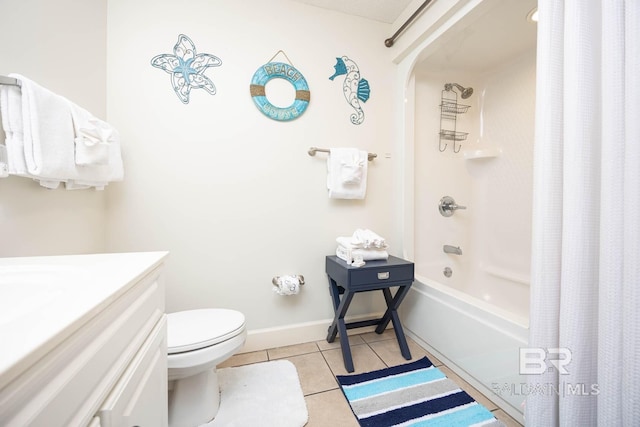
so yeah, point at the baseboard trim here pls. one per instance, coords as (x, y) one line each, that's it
(299, 333)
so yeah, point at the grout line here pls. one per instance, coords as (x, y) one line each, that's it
(377, 355)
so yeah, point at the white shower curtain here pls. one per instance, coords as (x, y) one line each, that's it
(585, 288)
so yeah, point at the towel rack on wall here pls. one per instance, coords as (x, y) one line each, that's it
(9, 81)
(313, 150)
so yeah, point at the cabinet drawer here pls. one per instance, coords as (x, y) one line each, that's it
(373, 275)
(380, 276)
(140, 396)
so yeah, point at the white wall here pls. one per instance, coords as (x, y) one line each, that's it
(233, 195)
(61, 45)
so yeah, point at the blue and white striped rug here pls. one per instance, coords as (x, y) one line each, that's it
(414, 394)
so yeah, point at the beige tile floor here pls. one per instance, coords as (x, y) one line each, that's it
(319, 362)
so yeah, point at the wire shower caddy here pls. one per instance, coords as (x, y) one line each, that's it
(449, 110)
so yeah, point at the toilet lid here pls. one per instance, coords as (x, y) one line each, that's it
(195, 329)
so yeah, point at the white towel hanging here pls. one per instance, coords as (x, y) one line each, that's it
(347, 173)
(41, 138)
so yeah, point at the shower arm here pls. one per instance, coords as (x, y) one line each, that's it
(465, 92)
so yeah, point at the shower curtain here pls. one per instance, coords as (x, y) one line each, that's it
(585, 290)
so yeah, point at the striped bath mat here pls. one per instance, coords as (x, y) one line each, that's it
(415, 394)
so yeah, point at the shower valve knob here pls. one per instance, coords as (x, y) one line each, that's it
(448, 205)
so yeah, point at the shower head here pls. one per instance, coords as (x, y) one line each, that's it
(465, 92)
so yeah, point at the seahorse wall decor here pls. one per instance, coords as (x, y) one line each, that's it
(355, 88)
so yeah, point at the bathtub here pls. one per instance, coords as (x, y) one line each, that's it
(471, 308)
(477, 340)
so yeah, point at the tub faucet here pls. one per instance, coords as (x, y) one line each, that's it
(449, 249)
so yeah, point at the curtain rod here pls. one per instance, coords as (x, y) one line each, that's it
(391, 40)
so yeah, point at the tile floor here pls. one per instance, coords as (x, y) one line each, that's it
(319, 362)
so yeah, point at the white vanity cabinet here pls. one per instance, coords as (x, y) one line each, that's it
(139, 398)
(92, 355)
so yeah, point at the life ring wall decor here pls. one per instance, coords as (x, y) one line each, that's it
(280, 70)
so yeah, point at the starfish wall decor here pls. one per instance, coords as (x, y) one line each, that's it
(187, 68)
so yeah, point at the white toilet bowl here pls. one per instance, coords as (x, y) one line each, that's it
(198, 341)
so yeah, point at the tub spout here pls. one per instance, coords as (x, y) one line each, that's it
(449, 249)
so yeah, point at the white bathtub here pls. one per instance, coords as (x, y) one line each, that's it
(480, 342)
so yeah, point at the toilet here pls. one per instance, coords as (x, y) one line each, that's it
(198, 341)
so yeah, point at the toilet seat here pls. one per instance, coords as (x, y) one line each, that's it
(197, 329)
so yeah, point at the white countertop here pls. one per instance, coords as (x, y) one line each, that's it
(43, 300)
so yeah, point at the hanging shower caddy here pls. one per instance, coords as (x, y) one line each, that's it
(449, 110)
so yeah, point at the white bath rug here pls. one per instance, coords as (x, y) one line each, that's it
(264, 394)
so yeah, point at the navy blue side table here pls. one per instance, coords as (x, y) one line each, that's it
(377, 275)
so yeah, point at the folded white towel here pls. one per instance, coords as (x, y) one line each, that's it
(82, 185)
(346, 242)
(352, 170)
(347, 173)
(4, 163)
(46, 137)
(349, 255)
(92, 137)
(363, 239)
(48, 132)
(368, 239)
(11, 109)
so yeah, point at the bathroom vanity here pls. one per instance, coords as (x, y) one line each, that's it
(83, 341)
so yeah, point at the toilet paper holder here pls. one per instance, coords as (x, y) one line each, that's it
(287, 285)
(276, 280)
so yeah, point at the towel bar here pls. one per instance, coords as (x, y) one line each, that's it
(9, 81)
(313, 150)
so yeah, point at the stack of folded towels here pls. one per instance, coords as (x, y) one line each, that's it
(364, 245)
(52, 140)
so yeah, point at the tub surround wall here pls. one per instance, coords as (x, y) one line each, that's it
(491, 176)
(61, 45)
